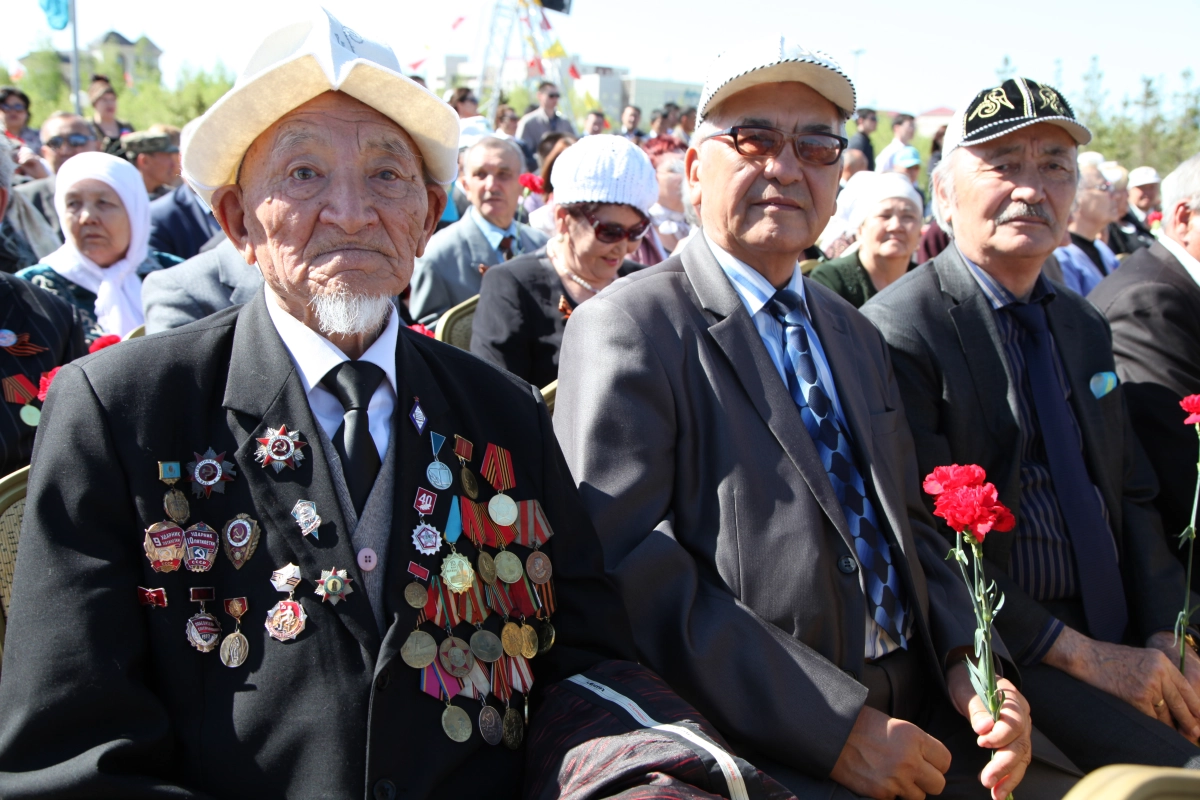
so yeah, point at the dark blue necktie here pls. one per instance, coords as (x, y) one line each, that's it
(354, 383)
(884, 602)
(1095, 553)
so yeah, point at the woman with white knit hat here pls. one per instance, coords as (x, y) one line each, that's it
(604, 187)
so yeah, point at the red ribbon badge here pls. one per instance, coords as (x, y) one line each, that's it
(463, 448)
(533, 529)
(498, 469)
(18, 389)
(152, 597)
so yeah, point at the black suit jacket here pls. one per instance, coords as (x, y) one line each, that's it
(50, 322)
(1153, 306)
(104, 697)
(958, 395)
(180, 224)
(1129, 234)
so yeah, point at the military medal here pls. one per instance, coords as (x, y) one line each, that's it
(511, 639)
(508, 567)
(305, 514)
(427, 539)
(491, 726)
(280, 448)
(241, 539)
(235, 648)
(164, 546)
(456, 723)
(529, 641)
(419, 650)
(545, 637)
(285, 620)
(174, 501)
(152, 597)
(415, 594)
(200, 542)
(203, 629)
(19, 344)
(486, 566)
(425, 501)
(209, 473)
(457, 573)
(417, 415)
(437, 472)
(463, 450)
(334, 585)
(456, 657)
(538, 568)
(20, 390)
(514, 729)
(498, 469)
(7, 338)
(486, 646)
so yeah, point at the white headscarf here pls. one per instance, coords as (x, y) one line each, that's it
(884, 186)
(118, 288)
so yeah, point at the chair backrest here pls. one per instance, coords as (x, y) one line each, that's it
(454, 327)
(12, 509)
(548, 393)
(140, 330)
(1130, 782)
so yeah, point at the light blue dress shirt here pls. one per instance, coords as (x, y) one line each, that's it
(494, 235)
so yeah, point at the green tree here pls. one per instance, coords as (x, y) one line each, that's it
(43, 81)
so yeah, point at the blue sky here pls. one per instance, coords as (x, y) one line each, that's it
(917, 56)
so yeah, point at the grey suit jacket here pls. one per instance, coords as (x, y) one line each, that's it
(961, 406)
(448, 273)
(202, 285)
(718, 521)
(40, 194)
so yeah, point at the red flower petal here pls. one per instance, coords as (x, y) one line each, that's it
(107, 340)
(943, 479)
(44, 383)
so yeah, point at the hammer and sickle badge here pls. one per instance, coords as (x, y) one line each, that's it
(991, 104)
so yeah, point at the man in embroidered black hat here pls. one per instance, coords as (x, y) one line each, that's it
(318, 613)
(1001, 367)
(755, 491)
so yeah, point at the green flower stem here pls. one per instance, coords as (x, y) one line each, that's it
(1190, 534)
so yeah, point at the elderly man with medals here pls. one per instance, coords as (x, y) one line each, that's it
(247, 567)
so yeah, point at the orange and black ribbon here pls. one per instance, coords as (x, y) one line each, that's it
(498, 469)
(481, 529)
(19, 389)
(24, 347)
(545, 594)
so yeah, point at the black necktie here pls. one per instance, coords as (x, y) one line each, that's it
(1100, 584)
(506, 245)
(353, 382)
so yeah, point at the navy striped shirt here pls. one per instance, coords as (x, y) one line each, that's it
(1043, 560)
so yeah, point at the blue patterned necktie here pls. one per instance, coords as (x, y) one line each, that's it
(883, 592)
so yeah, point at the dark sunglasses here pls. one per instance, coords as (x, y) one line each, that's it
(555, 95)
(12, 106)
(73, 139)
(818, 149)
(611, 232)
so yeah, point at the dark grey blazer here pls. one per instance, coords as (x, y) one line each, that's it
(204, 284)
(718, 522)
(961, 407)
(448, 273)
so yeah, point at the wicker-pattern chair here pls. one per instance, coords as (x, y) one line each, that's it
(454, 327)
(12, 508)
(548, 392)
(137, 332)
(1130, 782)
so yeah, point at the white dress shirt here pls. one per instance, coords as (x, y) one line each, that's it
(314, 356)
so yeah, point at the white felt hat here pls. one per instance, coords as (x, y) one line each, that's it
(296, 63)
(774, 60)
(604, 169)
(1143, 176)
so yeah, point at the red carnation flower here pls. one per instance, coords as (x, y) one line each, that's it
(107, 340)
(974, 509)
(1153, 217)
(532, 182)
(419, 328)
(1191, 404)
(44, 383)
(943, 479)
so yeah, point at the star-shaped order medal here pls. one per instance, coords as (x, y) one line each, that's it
(209, 473)
(334, 585)
(280, 448)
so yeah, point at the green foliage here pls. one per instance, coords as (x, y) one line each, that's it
(43, 82)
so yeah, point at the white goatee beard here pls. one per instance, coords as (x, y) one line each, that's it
(345, 314)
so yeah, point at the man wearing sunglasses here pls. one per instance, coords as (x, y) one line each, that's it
(543, 119)
(736, 433)
(64, 135)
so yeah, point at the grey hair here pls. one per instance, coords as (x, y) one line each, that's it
(943, 175)
(498, 143)
(1182, 186)
(7, 165)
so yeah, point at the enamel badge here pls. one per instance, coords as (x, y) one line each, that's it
(164, 546)
(427, 539)
(280, 448)
(305, 513)
(203, 630)
(334, 585)
(240, 539)
(200, 542)
(209, 473)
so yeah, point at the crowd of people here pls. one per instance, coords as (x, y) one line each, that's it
(709, 568)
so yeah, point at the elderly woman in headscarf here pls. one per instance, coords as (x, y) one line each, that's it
(102, 202)
(886, 218)
(603, 189)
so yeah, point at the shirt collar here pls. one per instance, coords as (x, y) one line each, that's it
(314, 355)
(493, 234)
(1185, 258)
(754, 290)
(997, 295)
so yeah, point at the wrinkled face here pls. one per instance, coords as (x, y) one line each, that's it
(158, 168)
(106, 105)
(630, 118)
(331, 200)
(55, 134)
(1144, 198)
(1012, 195)
(1095, 195)
(97, 221)
(16, 115)
(892, 230)
(770, 205)
(597, 258)
(491, 179)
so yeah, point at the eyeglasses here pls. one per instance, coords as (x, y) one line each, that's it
(73, 139)
(12, 106)
(818, 149)
(1103, 186)
(554, 95)
(611, 232)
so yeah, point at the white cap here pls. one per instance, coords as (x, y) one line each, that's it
(879, 187)
(309, 56)
(774, 60)
(1143, 176)
(604, 169)
(1091, 159)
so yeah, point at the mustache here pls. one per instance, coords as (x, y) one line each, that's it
(325, 248)
(1021, 209)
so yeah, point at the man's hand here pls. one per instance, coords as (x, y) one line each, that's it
(1169, 645)
(886, 758)
(1007, 737)
(1143, 677)
(30, 165)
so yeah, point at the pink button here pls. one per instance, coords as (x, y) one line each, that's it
(367, 559)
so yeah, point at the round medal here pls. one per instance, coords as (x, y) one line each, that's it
(514, 729)
(427, 539)
(416, 595)
(203, 632)
(7, 338)
(457, 573)
(234, 650)
(508, 567)
(456, 657)
(538, 567)
(31, 415)
(439, 475)
(456, 724)
(486, 646)
(176, 506)
(545, 637)
(503, 510)
(511, 639)
(419, 650)
(529, 641)
(285, 620)
(486, 567)
(491, 727)
(470, 486)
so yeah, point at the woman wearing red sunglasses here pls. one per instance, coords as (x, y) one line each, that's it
(604, 187)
